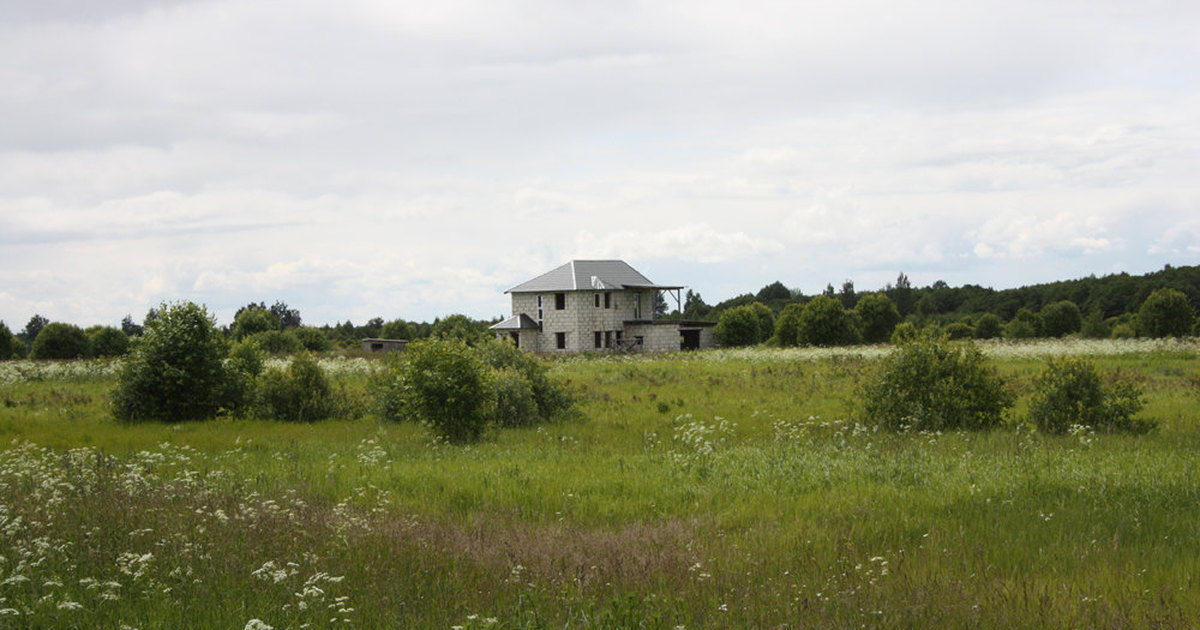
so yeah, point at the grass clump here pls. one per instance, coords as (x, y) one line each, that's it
(932, 384)
(1070, 393)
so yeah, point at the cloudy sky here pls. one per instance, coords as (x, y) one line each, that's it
(406, 159)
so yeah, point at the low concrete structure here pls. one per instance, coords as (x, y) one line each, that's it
(384, 345)
(596, 306)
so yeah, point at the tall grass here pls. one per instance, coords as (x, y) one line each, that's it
(724, 489)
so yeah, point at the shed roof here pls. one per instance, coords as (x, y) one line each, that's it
(589, 275)
(516, 322)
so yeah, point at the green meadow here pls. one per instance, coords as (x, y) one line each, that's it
(716, 489)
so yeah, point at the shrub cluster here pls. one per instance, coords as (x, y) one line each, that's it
(458, 391)
(1070, 392)
(932, 384)
(182, 369)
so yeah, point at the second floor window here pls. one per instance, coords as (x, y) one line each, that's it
(560, 301)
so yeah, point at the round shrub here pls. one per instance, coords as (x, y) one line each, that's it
(1069, 393)
(904, 332)
(298, 393)
(787, 325)
(442, 384)
(989, 326)
(312, 339)
(879, 317)
(107, 341)
(933, 384)
(550, 398)
(766, 320)
(253, 320)
(1165, 313)
(959, 330)
(1024, 325)
(176, 371)
(514, 404)
(738, 326)
(1061, 318)
(825, 322)
(57, 340)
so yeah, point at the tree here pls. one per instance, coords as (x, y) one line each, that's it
(397, 329)
(1024, 325)
(787, 325)
(878, 315)
(825, 322)
(57, 340)
(738, 326)
(288, 317)
(7, 350)
(32, 328)
(847, 296)
(774, 291)
(130, 328)
(989, 326)
(660, 304)
(766, 320)
(1165, 313)
(312, 339)
(694, 306)
(251, 320)
(933, 384)
(459, 327)
(1061, 318)
(177, 371)
(1094, 326)
(107, 341)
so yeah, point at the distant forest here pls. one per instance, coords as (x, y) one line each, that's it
(1110, 296)
(1092, 306)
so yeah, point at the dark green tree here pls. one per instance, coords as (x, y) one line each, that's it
(398, 329)
(738, 326)
(32, 328)
(766, 320)
(1165, 313)
(460, 327)
(252, 320)
(1024, 325)
(1061, 318)
(288, 317)
(130, 328)
(107, 341)
(787, 325)
(878, 315)
(312, 339)
(989, 326)
(774, 291)
(57, 340)
(825, 322)
(694, 306)
(7, 339)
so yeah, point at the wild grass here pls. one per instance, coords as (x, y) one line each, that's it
(723, 489)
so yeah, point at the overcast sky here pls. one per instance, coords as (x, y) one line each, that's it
(405, 159)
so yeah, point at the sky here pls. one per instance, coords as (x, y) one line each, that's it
(398, 159)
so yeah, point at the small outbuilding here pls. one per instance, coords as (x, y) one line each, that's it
(384, 345)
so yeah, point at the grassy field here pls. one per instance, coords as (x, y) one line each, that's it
(716, 489)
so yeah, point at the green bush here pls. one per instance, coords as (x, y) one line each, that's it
(904, 332)
(312, 339)
(933, 384)
(1094, 326)
(514, 404)
(1024, 325)
(959, 330)
(298, 393)
(989, 326)
(825, 322)
(253, 320)
(277, 341)
(108, 341)
(1061, 318)
(1165, 313)
(766, 320)
(441, 383)
(57, 340)
(1070, 393)
(787, 325)
(738, 326)
(550, 398)
(176, 370)
(879, 317)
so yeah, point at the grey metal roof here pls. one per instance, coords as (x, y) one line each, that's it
(516, 322)
(588, 275)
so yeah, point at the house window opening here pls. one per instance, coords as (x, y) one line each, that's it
(560, 340)
(608, 339)
(560, 301)
(598, 338)
(607, 300)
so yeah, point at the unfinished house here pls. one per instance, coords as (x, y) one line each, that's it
(596, 306)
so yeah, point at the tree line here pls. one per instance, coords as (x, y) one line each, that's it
(1117, 305)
